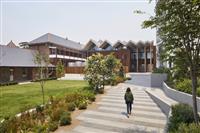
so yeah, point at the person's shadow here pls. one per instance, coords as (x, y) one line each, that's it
(125, 114)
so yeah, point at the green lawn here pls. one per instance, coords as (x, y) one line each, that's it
(16, 97)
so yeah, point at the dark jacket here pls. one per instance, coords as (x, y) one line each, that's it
(128, 97)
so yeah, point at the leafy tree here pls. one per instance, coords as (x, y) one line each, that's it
(100, 68)
(60, 69)
(113, 67)
(42, 61)
(178, 24)
(94, 69)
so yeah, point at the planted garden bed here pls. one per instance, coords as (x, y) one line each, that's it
(47, 118)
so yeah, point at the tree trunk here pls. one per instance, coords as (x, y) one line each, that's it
(42, 86)
(194, 93)
(103, 82)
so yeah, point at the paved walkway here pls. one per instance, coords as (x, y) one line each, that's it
(110, 117)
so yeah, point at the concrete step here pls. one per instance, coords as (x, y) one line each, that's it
(135, 102)
(120, 126)
(152, 122)
(148, 114)
(135, 108)
(86, 129)
(123, 105)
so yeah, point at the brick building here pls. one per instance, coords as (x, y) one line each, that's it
(135, 57)
(17, 64)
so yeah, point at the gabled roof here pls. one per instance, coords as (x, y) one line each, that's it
(51, 38)
(11, 45)
(90, 44)
(119, 43)
(17, 57)
(105, 44)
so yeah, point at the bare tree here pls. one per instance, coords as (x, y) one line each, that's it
(42, 61)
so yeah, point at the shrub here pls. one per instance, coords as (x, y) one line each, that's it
(82, 105)
(39, 108)
(9, 125)
(72, 97)
(65, 119)
(8, 83)
(188, 128)
(161, 70)
(186, 86)
(91, 97)
(101, 91)
(56, 113)
(119, 79)
(52, 126)
(71, 107)
(40, 128)
(181, 113)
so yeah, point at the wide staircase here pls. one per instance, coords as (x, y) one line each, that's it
(111, 117)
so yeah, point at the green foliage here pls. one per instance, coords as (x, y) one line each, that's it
(100, 69)
(181, 113)
(8, 83)
(52, 126)
(71, 106)
(65, 119)
(47, 118)
(188, 128)
(39, 108)
(91, 97)
(40, 129)
(177, 23)
(82, 105)
(50, 78)
(9, 125)
(60, 69)
(185, 85)
(56, 113)
(18, 96)
(161, 70)
(94, 69)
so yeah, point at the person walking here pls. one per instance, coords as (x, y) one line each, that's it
(128, 97)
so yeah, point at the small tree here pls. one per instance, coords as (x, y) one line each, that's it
(100, 68)
(60, 69)
(113, 66)
(94, 69)
(42, 61)
(177, 22)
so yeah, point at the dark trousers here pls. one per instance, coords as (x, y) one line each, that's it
(129, 107)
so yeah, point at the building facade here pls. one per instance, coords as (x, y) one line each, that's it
(58, 48)
(135, 57)
(17, 64)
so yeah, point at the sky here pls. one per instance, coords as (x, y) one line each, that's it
(23, 21)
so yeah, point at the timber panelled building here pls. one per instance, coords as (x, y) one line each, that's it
(135, 57)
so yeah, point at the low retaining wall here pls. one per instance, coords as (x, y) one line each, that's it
(148, 79)
(180, 96)
(165, 107)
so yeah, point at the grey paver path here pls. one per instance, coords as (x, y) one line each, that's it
(110, 116)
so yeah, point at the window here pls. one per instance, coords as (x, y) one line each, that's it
(24, 72)
(141, 55)
(52, 51)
